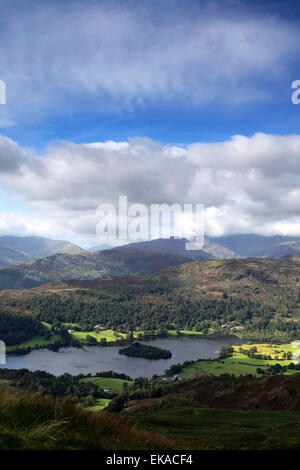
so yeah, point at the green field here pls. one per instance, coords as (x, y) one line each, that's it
(103, 382)
(34, 342)
(184, 332)
(276, 351)
(71, 325)
(238, 364)
(109, 335)
(100, 404)
(241, 364)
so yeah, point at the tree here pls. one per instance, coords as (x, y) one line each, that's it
(226, 351)
(117, 404)
(91, 340)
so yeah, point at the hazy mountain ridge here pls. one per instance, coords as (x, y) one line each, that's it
(174, 246)
(224, 247)
(258, 246)
(102, 247)
(84, 266)
(135, 258)
(15, 250)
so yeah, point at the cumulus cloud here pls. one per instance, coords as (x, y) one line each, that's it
(247, 184)
(12, 157)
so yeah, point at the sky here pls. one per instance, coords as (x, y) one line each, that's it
(165, 102)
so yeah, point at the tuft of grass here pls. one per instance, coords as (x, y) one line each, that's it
(31, 421)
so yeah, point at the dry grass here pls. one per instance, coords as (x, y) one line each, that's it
(30, 421)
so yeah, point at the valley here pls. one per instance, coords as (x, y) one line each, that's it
(256, 299)
(235, 321)
(149, 231)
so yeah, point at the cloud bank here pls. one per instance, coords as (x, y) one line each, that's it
(247, 184)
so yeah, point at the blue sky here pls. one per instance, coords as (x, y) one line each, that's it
(177, 73)
(54, 59)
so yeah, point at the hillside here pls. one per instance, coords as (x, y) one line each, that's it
(70, 262)
(174, 246)
(258, 298)
(30, 421)
(84, 266)
(15, 250)
(226, 412)
(238, 278)
(207, 413)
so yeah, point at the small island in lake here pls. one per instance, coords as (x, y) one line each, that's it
(146, 351)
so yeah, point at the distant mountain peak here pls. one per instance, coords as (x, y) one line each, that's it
(16, 249)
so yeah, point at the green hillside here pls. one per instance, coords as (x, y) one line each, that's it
(254, 298)
(205, 413)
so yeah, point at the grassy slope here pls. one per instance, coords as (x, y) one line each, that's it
(241, 364)
(29, 421)
(181, 420)
(34, 343)
(104, 382)
(227, 413)
(223, 429)
(101, 404)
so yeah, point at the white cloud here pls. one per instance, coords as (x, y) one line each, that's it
(120, 56)
(247, 184)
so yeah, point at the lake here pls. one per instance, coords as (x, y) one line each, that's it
(92, 359)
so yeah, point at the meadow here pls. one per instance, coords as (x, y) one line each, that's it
(36, 342)
(107, 382)
(100, 404)
(241, 364)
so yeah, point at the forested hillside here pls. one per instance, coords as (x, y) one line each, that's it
(251, 297)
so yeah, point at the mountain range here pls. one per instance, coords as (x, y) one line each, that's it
(32, 261)
(257, 246)
(225, 247)
(15, 250)
(84, 266)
